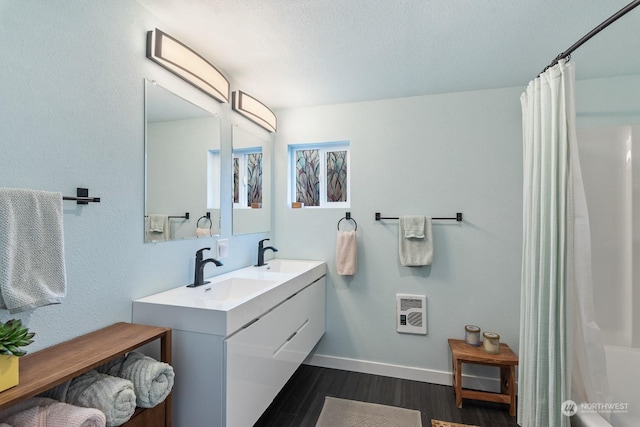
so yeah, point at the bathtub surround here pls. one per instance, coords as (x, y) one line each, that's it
(607, 158)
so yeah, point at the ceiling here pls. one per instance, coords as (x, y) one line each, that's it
(293, 53)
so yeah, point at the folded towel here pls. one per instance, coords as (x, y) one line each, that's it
(413, 226)
(346, 253)
(415, 251)
(156, 228)
(152, 380)
(32, 270)
(113, 396)
(44, 412)
(158, 223)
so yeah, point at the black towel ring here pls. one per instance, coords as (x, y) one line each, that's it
(207, 217)
(348, 218)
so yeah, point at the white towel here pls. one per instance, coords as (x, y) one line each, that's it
(32, 270)
(158, 223)
(346, 253)
(41, 411)
(415, 244)
(156, 228)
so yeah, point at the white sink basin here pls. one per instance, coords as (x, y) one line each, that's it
(217, 294)
(287, 266)
(229, 301)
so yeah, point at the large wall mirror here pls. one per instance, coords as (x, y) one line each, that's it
(182, 171)
(251, 192)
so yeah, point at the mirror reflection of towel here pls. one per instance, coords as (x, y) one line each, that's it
(156, 228)
(346, 253)
(203, 232)
(158, 223)
(415, 243)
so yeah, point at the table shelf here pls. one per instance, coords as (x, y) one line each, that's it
(505, 359)
(47, 368)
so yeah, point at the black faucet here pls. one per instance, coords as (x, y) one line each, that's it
(261, 250)
(198, 280)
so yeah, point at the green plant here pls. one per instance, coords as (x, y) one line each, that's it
(13, 336)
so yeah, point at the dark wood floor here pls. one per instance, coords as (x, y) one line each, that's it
(300, 401)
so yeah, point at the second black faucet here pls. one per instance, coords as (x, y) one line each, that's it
(261, 251)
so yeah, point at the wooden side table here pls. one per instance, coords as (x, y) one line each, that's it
(506, 360)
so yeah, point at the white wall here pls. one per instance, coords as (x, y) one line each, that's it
(432, 155)
(72, 115)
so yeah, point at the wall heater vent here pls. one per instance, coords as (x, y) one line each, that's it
(411, 314)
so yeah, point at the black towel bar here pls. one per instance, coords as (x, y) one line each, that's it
(82, 197)
(458, 217)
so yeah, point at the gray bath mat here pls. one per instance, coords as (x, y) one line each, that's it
(350, 413)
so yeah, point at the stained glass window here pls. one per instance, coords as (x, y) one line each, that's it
(319, 174)
(336, 176)
(254, 178)
(308, 177)
(236, 180)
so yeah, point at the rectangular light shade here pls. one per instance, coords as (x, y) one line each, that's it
(254, 110)
(187, 64)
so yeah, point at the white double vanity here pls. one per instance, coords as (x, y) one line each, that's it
(239, 338)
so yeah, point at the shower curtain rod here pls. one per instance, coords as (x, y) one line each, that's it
(567, 53)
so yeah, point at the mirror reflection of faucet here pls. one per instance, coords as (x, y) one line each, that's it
(261, 251)
(198, 279)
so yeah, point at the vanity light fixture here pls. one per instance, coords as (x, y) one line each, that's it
(187, 64)
(254, 110)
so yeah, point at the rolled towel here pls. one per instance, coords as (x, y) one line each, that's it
(152, 380)
(41, 411)
(113, 396)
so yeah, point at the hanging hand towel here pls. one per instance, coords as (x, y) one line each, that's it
(346, 253)
(32, 270)
(158, 223)
(203, 232)
(415, 245)
(156, 228)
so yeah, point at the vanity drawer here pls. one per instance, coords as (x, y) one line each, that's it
(252, 379)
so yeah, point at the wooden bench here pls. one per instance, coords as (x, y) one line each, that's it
(47, 368)
(506, 360)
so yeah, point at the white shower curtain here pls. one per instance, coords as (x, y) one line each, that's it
(556, 299)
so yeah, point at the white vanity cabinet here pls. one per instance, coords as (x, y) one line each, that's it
(260, 358)
(231, 356)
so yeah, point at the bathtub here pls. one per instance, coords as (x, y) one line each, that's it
(624, 378)
(611, 174)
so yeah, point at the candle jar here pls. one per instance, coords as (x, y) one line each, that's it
(472, 335)
(491, 342)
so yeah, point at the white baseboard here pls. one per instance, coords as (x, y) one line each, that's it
(398, 371)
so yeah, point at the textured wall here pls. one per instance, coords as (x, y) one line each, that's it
(72, 115)
(431, 155)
